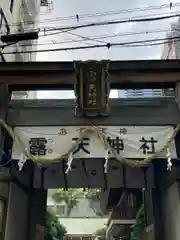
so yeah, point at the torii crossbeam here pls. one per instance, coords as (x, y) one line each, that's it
(61, 75)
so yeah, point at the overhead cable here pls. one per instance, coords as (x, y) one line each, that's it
(103, 14)
(96, 38)
(104, 23)
(108, 45)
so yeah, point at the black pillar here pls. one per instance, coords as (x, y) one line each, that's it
(4, 186)
(17, 224)
(37, 211)
(153, 200)
(4, 101)
(160, 167)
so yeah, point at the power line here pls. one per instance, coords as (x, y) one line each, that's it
(150, 44)
(95, 38)
(92, 38)
(117, 12)
(84, 38)
(108, 45)
(103, 14)
(103, 23)
(114, 22)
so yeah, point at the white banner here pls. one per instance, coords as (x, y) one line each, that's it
(129, 141)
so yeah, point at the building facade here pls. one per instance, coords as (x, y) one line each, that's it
(82, 221)
(85, 208)
(19, 16)
(140, 93)
(171, 48)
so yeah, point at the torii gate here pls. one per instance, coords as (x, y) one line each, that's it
(27, 189)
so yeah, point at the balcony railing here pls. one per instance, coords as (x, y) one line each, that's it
(127, 207)
(20, 95)
(123, 212)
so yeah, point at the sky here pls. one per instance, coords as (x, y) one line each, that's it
(60, 14)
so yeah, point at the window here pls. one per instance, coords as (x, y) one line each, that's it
(44, 3)
(2, 59)
(11, 6)
(60, 210)
(4, 27)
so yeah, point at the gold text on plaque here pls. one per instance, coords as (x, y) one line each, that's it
(92, 95)
(92, 76)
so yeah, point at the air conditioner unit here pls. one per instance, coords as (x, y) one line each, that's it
(47, 3)
(33, 7)
(44, 3)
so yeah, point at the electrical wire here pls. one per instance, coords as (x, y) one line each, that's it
(119, 34)
(94, 38)
(108, 45)
(86, 38)
(104, 23)
(128, 17)
(103, 14)
(67, 28)
(150, 45)
(101, 23)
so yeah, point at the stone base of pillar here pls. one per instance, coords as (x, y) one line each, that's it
(148, 233)
(40, 232)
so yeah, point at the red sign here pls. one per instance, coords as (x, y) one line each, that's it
(63, 131)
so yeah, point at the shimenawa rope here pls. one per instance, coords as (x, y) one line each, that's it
(83, 133)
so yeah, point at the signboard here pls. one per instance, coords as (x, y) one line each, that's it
(92, 87)
(130, 142)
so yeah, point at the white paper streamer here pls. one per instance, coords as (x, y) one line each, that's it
(69, 162)
(106, 161)
(169, 163)
(22, 161)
